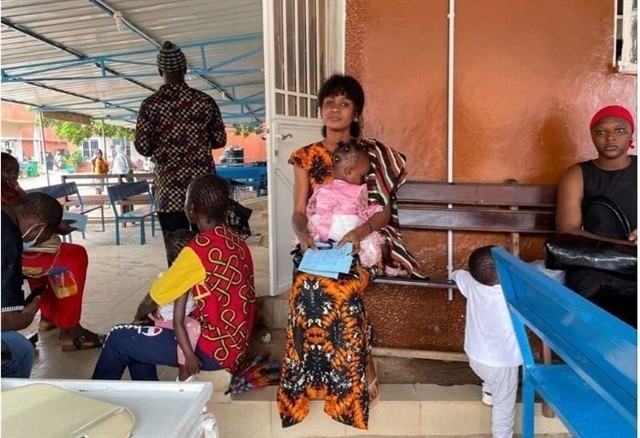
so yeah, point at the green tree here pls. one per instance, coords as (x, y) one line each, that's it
(246, 129)
(74, 133)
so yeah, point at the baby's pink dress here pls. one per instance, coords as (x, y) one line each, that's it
(337, 207)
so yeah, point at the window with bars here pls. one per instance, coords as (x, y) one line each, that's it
(299, 53)
(626, 36)
(88, 146)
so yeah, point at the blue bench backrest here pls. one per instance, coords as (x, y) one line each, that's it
(122, 191)
(250, 175)
(598, 346)
(57, 190)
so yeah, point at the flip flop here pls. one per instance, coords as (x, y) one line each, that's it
(83, 342)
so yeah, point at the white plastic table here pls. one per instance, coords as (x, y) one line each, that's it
(167, 409)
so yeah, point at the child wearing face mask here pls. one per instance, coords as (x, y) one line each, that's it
(58, 267)
(25, 221)
(339, 206)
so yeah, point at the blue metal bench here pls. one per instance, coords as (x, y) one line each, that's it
(121, 194)
(594, 392)
(64, 192)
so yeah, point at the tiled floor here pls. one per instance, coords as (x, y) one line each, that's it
(118, 278)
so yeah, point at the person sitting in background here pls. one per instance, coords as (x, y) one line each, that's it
(490, 339)
(27, 221)
(46, 266)
(217, 268)
(612, 176)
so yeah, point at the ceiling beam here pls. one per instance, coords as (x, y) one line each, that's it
(108, 9)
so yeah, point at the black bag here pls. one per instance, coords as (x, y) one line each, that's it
(566, 251)
(605, 218)
(238, 219)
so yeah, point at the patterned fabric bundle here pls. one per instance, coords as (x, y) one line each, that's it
(171, 58)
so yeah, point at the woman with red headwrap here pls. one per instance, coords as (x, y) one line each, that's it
(611, 176)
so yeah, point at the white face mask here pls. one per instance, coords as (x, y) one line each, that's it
(30, 243)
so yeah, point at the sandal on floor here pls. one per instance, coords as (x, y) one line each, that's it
(84, 342)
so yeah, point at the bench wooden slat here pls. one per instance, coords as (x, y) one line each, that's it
(465, 219)
(473, 207)
(487, 194)
(404, 281)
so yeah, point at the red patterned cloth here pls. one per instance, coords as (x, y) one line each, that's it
(225, 301)
(178, 126)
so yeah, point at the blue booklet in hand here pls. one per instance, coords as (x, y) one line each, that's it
(327, 262)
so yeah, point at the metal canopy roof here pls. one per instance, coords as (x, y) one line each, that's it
(97, 57)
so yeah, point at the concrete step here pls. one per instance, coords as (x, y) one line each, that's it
(403, 411)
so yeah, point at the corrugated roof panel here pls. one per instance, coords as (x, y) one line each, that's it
(87, 28)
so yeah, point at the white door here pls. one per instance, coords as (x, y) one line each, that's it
(304, 43)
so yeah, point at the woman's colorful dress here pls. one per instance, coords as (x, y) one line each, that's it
(327, 337)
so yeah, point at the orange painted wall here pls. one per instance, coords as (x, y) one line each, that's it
(255, 148)
(528, 77)
(18, 122)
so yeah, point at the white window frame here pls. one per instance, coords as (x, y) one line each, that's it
(626, 25)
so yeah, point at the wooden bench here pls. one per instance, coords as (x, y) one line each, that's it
(129, 194)
(69, 197)
(510, 208)
(594, 392)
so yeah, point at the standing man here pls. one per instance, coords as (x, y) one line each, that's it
(178, 126)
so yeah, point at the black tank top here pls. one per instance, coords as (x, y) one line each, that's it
(619, 186)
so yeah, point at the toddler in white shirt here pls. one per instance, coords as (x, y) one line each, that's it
(490, 340)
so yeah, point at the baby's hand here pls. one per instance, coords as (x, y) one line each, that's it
(633, 237)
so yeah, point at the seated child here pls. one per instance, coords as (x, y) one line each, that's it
(490, 340)
(337, 207)
(176, 315)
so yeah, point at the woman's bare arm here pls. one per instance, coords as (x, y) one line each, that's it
(569, 207)
(300, 199)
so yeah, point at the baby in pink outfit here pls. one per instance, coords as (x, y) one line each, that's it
(339, 206)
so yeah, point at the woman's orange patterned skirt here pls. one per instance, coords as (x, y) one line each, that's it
(326, 349)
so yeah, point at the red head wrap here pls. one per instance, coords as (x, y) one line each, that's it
(613, 111)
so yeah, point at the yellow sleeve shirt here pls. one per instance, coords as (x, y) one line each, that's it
(185, 272)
